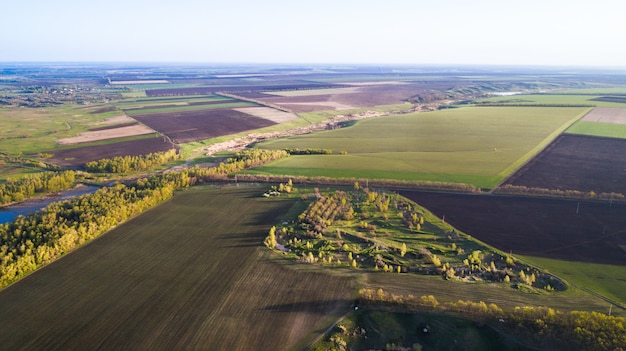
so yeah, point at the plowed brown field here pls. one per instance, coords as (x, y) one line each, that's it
(79, 156)
(577, 162)
(187, 126)
(549, 228)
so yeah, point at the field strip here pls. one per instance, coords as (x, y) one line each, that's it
(268, 113)
(308, 92)
(112, 133)
(116, 120)
(382, 82)
(332, 104)
(611, 115)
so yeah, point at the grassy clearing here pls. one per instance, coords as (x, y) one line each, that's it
(565, 99)
(610, 130)
(30, 131)
(607, 280)
(481, 145)
(189, 274)
(572, 299)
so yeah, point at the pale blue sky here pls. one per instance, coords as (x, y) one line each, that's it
(532, 32)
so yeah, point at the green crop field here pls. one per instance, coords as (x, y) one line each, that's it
(188, 274)
(474, 145)
(159, 100)
(548, 99)
(191, 108)
(611, 130)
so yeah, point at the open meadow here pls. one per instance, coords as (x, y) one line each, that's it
(475, 145)
(189, 274)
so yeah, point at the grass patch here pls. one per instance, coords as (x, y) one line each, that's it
(33, 130)
(604, 279)
(610, 130)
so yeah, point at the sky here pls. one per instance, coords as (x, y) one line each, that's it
(475, 32)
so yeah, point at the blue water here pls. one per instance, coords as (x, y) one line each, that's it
(9, 213)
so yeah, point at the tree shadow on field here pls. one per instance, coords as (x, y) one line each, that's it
(317, 307)
(241, 240)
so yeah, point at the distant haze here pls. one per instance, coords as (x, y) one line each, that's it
(532, 32)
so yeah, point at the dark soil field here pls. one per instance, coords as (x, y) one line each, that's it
(548, 228)
(187, 126)
(77, 157)
(187, 275)
(577, 162)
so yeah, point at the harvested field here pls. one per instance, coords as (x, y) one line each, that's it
(577, 162)
(187, 275)
(108, 133)
(606, 115)
(540, 227)
(268, 113)
(77, 157)
(187, 126)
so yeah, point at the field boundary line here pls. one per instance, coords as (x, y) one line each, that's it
(530, 155)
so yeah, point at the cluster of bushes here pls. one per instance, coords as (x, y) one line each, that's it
(379, 183)
(124, 164)
(541, 326)
(309, 151)
(33, 184)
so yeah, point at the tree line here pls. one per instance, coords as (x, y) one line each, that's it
(541, 326)
(125, 164)
(34, 184)
(32, 241)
